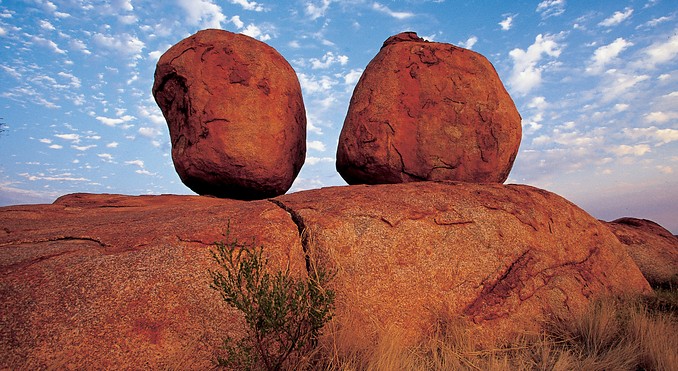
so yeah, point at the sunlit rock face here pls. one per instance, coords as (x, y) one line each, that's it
(235, 114)
(651, 246)
(428, 111)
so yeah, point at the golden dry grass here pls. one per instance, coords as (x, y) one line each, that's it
(614, 334)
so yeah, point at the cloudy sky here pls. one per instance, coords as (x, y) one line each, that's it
(596, 83)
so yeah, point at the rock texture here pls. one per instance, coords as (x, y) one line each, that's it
(428, 111)
(235, 114)
(121, 281)
(653, 248)
(503, 257)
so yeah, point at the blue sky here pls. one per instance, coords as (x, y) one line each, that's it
(596, 83)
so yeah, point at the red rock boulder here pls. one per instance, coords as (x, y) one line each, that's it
(651, 246)
(505, 258)
(428, 111)
(235, 114)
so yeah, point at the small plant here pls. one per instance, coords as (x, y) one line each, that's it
(284, 315)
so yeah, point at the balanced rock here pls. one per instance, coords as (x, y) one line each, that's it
(122, 281)
(651, 246)
(235, 114)
(428, 111)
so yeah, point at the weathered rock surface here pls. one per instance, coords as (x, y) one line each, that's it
(428, 111)
(651, 246)
(235, 114)
(121, 281)
(504, 257)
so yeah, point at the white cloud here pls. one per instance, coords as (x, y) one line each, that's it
(237, 22)
(316, 160)
(144, 172)
(661, 52)
(83, 148)
(626, 150)
(654, 22)
(468, 44)
(551, 8)
(606, 54)
(46, 25)
(538, 102)
(138, 163)
(49, 44)
(665, 169)
(75, 82)
(149, 132)
(618, 83)
(124, 5)
(660, 116)
(507, 23)
(45, 140)
(66, 177)
(3, 32)
(314, 85)
(204, 13)
(316, 145)
(249, 5)
(621, 107)
(124, 44)
(105, 156)
(386, 10)
(662, 136)
(526, 72)
(75, 138)
(256, 32)
(79, 45)
(616, 18)
(56, 146)
(317, 10)
(327, 60)
(353, 76)
(108, 121)
(112, 145)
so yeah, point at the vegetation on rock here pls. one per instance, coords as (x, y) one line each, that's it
(615, 333)
(284, 314)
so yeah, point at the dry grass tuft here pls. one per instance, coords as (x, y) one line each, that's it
(614, 334)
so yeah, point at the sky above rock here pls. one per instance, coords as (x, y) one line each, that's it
(596, 83)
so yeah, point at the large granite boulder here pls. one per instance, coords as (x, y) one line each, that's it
(502, 257)
(122, 282)
(651, 246)
(235, 114)
(428, 111)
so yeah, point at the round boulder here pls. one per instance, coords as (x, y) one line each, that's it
(428, 111)
(235, 113)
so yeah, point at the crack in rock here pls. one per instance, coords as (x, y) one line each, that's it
(54, 239)
(302, 229)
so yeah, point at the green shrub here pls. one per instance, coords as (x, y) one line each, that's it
(284, 315)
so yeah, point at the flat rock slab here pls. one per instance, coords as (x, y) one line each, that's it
(122, 281)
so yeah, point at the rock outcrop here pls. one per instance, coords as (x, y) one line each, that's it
(651, 246)
(121, 281)
(428, 111)
(235, 114)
